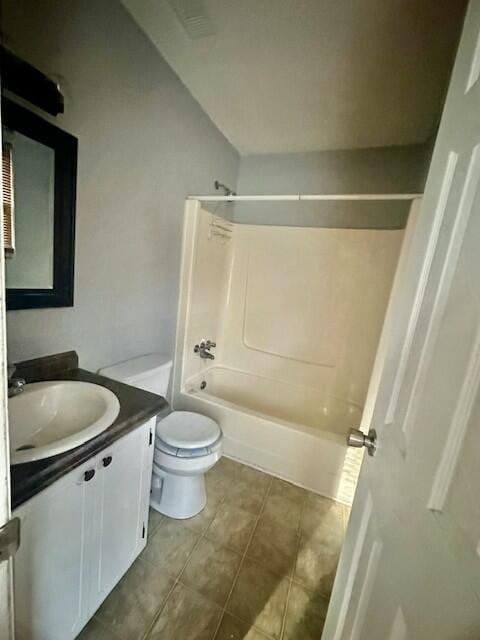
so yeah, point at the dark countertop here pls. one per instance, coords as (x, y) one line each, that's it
(136, 407)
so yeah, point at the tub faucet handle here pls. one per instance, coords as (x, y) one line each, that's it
(203, 349)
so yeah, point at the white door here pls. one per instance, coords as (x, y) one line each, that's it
(6, 584)
(410, 567)
(51, 565)
(124, 473)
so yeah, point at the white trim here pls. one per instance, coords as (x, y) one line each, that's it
(336, 633)
(399, 626)
(190, 224)
(207, 198)
(6, 567)
(443, 197)
(395, 310)
(366, 590)
(456, 434)
(474, 67)
(363, 196)
(300, 197)
(464, 211)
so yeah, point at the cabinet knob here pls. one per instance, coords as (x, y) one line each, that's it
(106, 461)
(88, 475)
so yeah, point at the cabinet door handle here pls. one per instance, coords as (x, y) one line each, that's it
(88, 475)
(106, 461)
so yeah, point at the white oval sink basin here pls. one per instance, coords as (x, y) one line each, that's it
(51, 417)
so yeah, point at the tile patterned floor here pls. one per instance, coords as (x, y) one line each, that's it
(257, 564)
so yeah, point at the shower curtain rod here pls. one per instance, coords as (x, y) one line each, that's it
(298, 197)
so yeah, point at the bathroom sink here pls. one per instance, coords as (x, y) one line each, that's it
(51, 417)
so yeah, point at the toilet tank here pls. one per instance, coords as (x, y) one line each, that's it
(150, 372)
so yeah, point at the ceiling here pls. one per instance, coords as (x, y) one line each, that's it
(280, 76)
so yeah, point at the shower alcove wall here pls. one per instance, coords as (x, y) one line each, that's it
(296, 313)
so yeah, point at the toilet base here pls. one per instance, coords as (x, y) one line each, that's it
(177, 496)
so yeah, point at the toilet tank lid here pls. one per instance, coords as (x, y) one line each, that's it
(137, 368)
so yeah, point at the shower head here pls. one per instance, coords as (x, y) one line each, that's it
(227, 190)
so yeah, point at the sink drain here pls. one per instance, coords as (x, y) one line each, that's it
(203, 384)
(24, 447)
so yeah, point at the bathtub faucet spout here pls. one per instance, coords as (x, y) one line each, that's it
(203, 349)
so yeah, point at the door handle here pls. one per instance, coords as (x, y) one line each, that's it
(88, 475)
(106, 461)
(357, 438)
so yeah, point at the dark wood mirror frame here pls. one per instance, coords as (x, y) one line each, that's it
(65, 147)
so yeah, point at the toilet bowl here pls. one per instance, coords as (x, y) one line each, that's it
(187, 444)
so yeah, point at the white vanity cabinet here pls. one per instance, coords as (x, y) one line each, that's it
(79, 536)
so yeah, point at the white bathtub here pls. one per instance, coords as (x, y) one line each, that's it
(293, 432)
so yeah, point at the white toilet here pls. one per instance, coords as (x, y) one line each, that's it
(187, 444)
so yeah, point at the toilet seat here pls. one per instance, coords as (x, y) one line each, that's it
(187, 453)
(186, 431)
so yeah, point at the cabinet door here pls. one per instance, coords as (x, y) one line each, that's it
(51, 565)
(121, 514)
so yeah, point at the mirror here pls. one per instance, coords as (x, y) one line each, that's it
(42, 161)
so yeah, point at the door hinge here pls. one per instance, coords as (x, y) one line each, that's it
(9, 539)
(143, 531)
(150, 438)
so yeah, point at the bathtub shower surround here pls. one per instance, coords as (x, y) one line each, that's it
(296, 314)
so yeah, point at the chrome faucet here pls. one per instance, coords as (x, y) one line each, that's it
(203, 349)
(15, 385)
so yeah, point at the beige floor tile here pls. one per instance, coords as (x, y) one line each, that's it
(282, 511)
(186, 616)
(95, 630)
(317, 562)
(255, 477)
(154, 520)
(314, 526)
(292, 519)
(274, 546)
(232, 527)
(306, 614)
(211, 570)
(202, 520)
(217, 477)
(287, 490)
(169, 547)
(132, 605)
(229, 467)
(259, 597)
(321, 511)
(234, 629)
(218, 484)
(246, 495)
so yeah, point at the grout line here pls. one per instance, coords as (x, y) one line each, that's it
(175, 582)
(202, 534)
(234, 582)
(287, 601)
(292, 574)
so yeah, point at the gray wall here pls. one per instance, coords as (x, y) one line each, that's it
(385, 169)
(144, 144)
